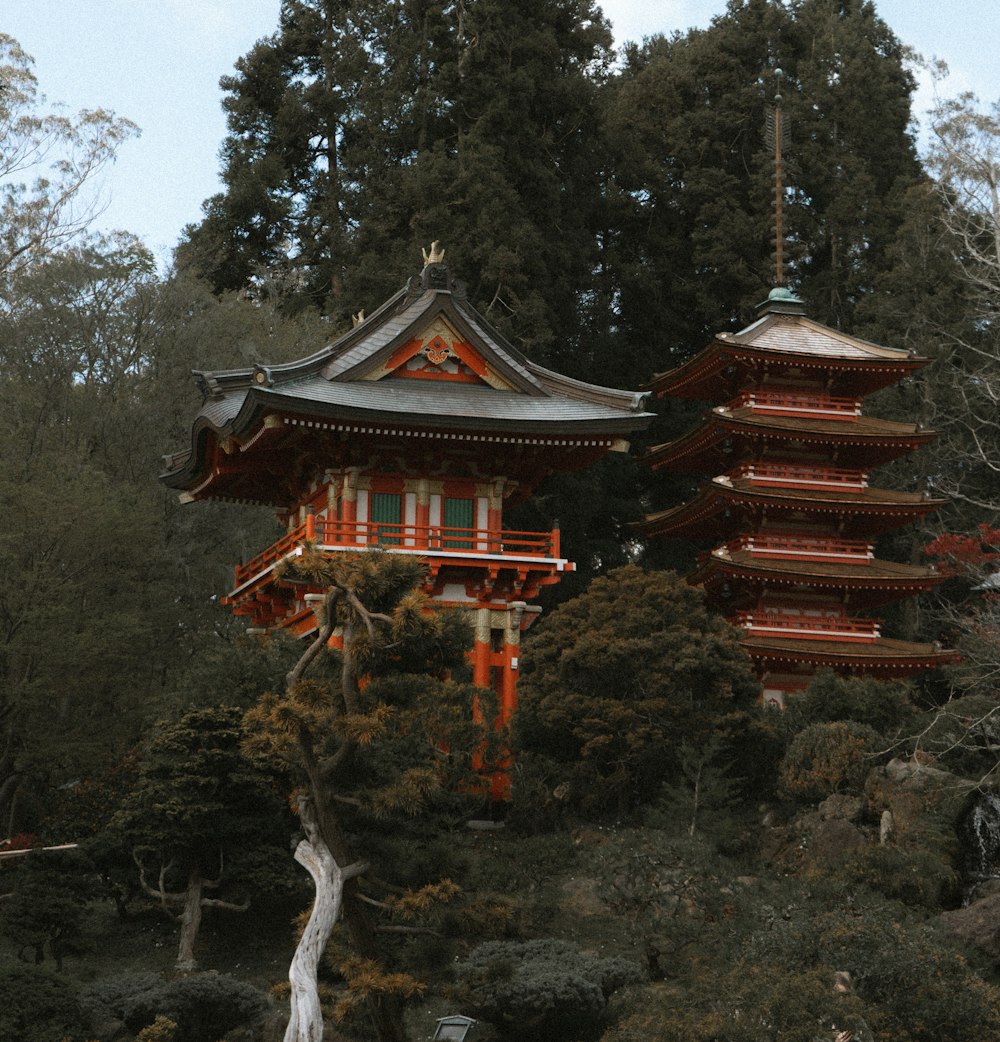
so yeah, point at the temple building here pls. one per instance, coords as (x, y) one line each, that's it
(413, 432)
(791, 510)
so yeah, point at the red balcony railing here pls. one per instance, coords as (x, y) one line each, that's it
(798, 403)
(804, 547)
(793, 475)
(394, 535)
(810, 627)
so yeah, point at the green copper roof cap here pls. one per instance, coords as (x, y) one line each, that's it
(782, 301)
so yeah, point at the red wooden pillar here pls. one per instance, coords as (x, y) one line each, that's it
(494, 515)
(422, 518)
(349, 506)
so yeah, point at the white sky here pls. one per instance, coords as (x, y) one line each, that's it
(158, 62)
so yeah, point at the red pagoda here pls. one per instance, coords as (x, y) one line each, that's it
(791, 507)
(413, 432)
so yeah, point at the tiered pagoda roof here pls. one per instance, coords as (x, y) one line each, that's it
(791, 500)
(798, 346)
(770, 422)
(748, 572)
(753, 500)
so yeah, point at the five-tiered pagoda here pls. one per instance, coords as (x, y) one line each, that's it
(414, 432)
(791, 509)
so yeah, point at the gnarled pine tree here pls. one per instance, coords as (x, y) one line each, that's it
(372, 729)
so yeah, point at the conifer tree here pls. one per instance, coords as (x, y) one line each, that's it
(618, 678)
(201, 817)
(692, 171)
(359, 131)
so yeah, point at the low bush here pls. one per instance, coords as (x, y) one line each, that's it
(827, 758)
(204, 1006)
(37, 1006)
(542, 989)
(922, 878)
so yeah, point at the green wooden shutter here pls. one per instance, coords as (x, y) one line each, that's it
(460, 514)
(385, 509)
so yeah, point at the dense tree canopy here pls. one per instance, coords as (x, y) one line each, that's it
(609, 218)
(359, 132)
(617, 679)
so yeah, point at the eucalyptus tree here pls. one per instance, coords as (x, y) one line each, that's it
(50, 165)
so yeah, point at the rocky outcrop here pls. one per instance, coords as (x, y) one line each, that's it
(977, 925)
(909, 804)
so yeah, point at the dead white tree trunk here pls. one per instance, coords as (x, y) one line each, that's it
(306, 1021)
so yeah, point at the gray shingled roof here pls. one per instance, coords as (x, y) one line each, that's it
(800, 335)
(346, 381)
(424, 402)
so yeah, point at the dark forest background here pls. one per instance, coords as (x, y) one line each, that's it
(608, 211)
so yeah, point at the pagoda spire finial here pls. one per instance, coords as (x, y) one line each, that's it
(776, 138)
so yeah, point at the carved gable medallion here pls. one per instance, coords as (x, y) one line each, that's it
(440, 353)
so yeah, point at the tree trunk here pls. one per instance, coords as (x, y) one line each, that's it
(190, 920)
(306, 1021)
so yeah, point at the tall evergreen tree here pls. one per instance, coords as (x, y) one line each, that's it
(693, 173)
(360, 131)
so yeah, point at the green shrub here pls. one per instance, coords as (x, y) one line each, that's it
(163, 1029)
(880, 704)
(37, 1006)
(204, 1006)
(542, 989)
(827, 758)
(45, 913)
(919, 877)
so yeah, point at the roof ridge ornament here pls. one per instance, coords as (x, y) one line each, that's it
(434, 255)
(434, 275)
(782, 301)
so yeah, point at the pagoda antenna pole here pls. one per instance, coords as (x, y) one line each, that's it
(779, 237)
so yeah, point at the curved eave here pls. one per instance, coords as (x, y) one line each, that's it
(568, 387)
(879, 510)
(703, 377)
(883, 655)
(884, 581)
(875, 573)
(262, 406)
(873, 441)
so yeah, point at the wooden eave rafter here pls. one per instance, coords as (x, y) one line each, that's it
(874, 573)
(880, 510)
(875, 441)
(875, 583)
(882, 654)
(571, 444)
(261, 403)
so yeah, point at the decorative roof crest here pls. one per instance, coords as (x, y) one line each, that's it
(434, 255)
